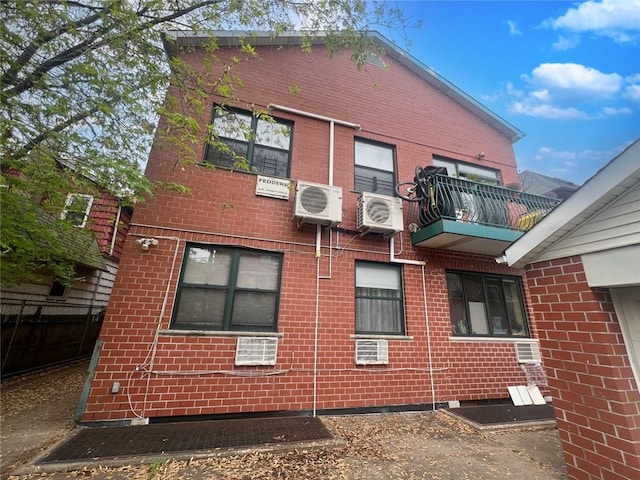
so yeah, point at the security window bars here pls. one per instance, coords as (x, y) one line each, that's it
(379, 306)
(245, 141)
(468, 171)
(374, 167)
(77, 208)
(224, 288)
(486, 305)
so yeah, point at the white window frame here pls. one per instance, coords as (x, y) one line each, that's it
(70, 199)
(371, 165)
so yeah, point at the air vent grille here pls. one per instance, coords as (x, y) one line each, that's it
(256, 351)
(372, 352)
(528, 352)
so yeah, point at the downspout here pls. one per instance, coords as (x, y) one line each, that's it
(318, 253)
(422, 265)
(115, 232)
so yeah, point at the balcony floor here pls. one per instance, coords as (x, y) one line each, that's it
(465, 237)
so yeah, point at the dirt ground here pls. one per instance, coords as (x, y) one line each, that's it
(37, 411)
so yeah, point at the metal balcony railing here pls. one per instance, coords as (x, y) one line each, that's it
(451, 198)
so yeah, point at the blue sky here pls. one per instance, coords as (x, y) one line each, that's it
(565, 73)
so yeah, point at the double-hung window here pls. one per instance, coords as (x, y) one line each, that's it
(486, 305)
(374, 167)
(379, 306)
(223, 288)
(468, 171)
(77, 208)
(249, 142)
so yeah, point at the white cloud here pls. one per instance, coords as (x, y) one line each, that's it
(546, 111)
(611, 111)
(566, 43)
(570, 91)
(575, 80)
(616, 19)
(574, 159)
(632, 92)
(513, 28)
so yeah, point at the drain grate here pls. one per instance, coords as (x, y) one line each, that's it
(113, 442)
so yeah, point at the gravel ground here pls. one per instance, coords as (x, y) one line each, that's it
(38, 410)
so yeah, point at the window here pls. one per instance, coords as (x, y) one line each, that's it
(224, 288)
(58, 290)
(486, 305)
(468, 171)
(374, 167)
(379, 308)
(77, 208)
(255, 144)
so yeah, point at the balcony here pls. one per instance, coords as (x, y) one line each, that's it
(472, 217)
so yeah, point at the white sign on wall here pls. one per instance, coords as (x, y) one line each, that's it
(273, 187)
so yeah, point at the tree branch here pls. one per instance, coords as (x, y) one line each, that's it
(29, 145)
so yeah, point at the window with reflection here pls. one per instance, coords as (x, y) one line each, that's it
(486, 305)
(223, 288)
(245, 141)
(374, 167)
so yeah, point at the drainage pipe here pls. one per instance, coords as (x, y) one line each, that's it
(422, 265)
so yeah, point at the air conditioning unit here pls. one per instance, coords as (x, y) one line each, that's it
(528, 352)
(372, 352)
(256, 350)
(318, 204)
(379, 213)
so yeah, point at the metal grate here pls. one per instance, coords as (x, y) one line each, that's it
(256, 351)
(372, 352)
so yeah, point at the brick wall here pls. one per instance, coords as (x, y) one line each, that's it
(195, 374)
(595, 395)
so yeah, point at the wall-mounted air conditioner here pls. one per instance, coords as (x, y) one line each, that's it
(379, 213)
(372, 352)
(318, 204)
(256, 350)
(528, 352)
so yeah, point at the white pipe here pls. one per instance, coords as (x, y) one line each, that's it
(313, 115)
(332, 134)
(115, 231)
(426, 320)
(393, 259)
(315, 341)
(332, 123)
(426, 313)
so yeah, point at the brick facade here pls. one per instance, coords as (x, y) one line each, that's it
(594, 391)
(167, 373)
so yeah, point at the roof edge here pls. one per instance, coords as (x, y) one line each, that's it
(527, 248)
(173, 39)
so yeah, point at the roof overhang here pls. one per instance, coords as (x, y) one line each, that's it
(175, 39)
(612, 181)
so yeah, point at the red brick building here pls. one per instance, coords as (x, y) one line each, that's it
(302, 283)
(583, 273)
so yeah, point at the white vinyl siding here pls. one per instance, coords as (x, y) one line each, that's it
(614, 226)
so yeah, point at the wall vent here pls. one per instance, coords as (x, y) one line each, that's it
(379, 213)
(256, 350)
(528, 352)
(318, 204)
(372, 352)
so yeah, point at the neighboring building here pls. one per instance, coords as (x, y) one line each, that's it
(303, 284)
(538, 184)
(583, 273)
(45, 321)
